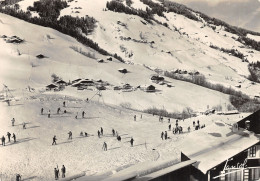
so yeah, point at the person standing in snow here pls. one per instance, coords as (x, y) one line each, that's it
(83, 114)
(113, 132)
(141, 116)
(9, 136)
(64, 104)
(41, 111)
(24, 125)
(165, 135)
(57, 173)
(86, 134)
(193, 123)
(70, 135)
(170, 126)
(119, 138)
(18, 177)
(76, 117)
(98, 133)
(14, 137)
(169, 120)
(54, 140)
(104, 146)
(162, 135)
(101, 131)
(49, 113)
(132, 142)
(3, 141)
(13, 120)
(63, 171)
(188, 129)
(58, 111)
(134, 117)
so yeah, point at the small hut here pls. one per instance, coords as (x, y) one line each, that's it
(109, 58)
(87, 82)
(149, 88)
(51, 87)
(122, 70)
(100, 60)
(61, 83)
(40, 56)
(75, 81)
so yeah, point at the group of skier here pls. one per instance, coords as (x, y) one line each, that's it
(9, 138)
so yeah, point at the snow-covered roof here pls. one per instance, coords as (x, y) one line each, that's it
(215, 144)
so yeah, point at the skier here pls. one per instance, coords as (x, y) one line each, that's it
(63, 171)
(193, 123)
(165, 135)
(76, 117)
(3, 141)
(83, 114)
(188, 129)
(64, 104)
(86, 134)
(113, 132)
(49, 113)
(162, 134)
(101, 130)
(41, 111)
(9, 136)
(170, 126)
(14, 137)
(13, 120)
(58, 111)
(169, 120)
(98, 133)
(104, 146)
(134, 117)
(70, 135)
(24, 125)
(18, 177)
(54, 140)
(65, 111)
(132, 142)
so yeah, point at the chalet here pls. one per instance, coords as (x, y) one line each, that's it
(61, 83)
(149, 88)
(51, 87)
(225, 152)
(127, 86)
(117, 88)
(87, 82)
(101, 87)
(157, 78)
(122, 70)
(75, 81)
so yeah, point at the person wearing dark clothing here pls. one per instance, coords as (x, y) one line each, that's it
(65, 111)
(162, 135)
(198, 122)
(165, 135)
(58, 111)
(113, 132)
(14, 137)
(134, 117)
(132, 142)
(119, 138)
(81, 133)
(49, 113)
(54, 140)
(193, 123)
(170, 126)
(24, 125)
(83, 114)
(169, 120)
(41, 111)
(9, 136)
(3, 141)
(57, 173)
(13, 120)
(70, 135)
(101, 131)
(76, 117)
(63, 171)
(18, 177)
(188, 129)
(64, 104)
(98, 133)
(86, 134)
(141, 116)
(104, 146)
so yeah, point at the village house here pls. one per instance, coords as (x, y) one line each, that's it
(228, 151)
(51, 87)
(75, 81)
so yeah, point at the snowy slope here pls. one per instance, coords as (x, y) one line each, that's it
(70, 65)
